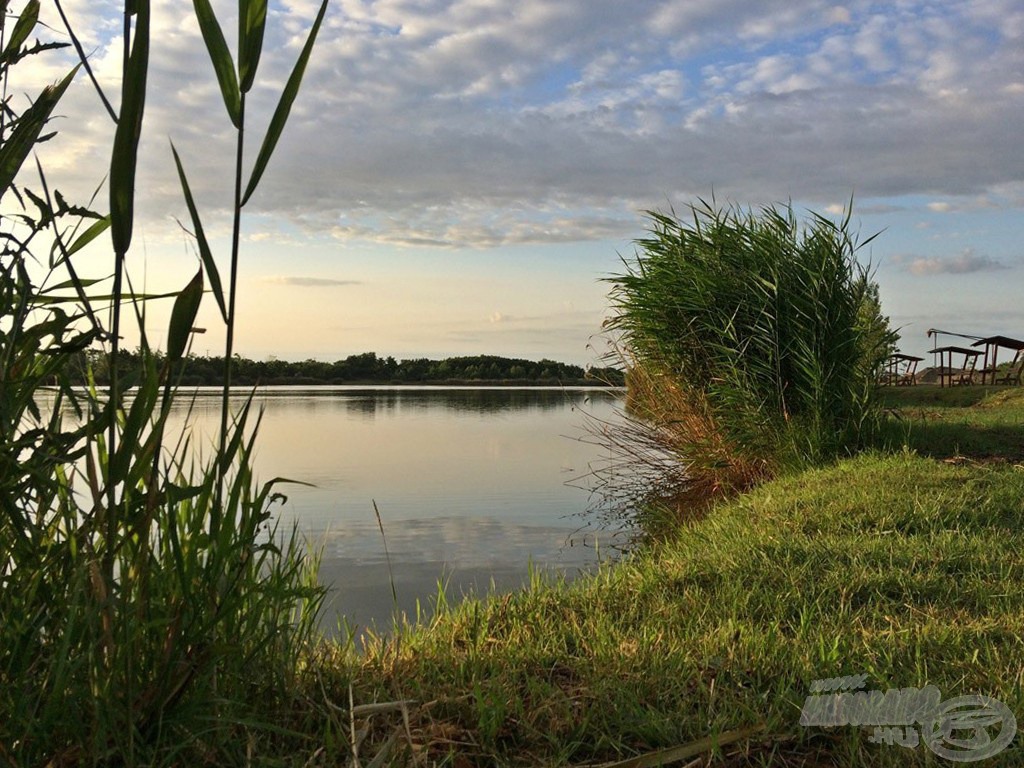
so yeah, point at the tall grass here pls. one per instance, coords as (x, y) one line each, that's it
(151, 609)
(749, 346)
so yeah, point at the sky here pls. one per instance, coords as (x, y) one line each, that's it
(461, 176)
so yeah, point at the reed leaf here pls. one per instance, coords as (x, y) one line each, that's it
(183, 317)
(22, 29)
(132, 431)
(16, 148)
(252, 21)
(44, 300)
(74, 284)
(124, 162)
(85, 61)
(205, 254)
(220, 57)
(94, 230)
(284, 106)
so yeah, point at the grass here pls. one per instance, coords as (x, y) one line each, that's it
(899, 566)
(980, 423)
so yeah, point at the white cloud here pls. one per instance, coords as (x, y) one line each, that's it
(965, 203)
(839, 15)
(962, 264)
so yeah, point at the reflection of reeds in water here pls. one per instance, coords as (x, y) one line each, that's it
(387, 556)
(662, 456)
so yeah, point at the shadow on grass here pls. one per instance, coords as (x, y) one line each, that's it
(936, 397)
(939, 440)
(980, 423)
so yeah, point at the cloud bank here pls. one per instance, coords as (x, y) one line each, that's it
(480, 123)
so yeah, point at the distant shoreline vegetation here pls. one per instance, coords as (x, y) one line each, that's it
(367, 368)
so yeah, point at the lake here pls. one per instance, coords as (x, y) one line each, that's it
(473, 486)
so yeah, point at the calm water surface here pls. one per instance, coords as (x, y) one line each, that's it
(473, 486)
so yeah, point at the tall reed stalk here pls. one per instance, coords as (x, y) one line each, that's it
(234, 85)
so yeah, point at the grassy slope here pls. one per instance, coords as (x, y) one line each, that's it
(903, 567)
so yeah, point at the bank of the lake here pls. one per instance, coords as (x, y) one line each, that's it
(902, 567)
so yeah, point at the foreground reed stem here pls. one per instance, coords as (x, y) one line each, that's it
(236, 230)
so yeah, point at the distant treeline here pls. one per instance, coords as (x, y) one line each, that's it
(368, 368)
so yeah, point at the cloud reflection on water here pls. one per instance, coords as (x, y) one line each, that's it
(472, 483)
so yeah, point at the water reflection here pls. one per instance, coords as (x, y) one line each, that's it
(373, 400)
(471, 484)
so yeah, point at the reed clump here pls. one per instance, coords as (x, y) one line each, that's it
(151, 610)
(752, 341)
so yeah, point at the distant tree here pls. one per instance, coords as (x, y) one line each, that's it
(611, 376)
(362, 368)
(878, 338)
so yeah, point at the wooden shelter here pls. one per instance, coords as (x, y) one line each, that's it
(990, 366)
(900, 370)
(962, 375)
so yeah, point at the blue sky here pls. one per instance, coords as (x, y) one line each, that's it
(459, 175)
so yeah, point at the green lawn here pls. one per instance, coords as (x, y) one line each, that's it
(981, 423)
(899, 566)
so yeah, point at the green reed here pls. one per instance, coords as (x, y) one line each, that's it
(751, 341)
(151, 608)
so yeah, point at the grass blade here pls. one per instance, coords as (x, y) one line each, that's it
(95, 230)
(26, 23)
(220, 56)
(133, 431)
(183, 317)
(387, 556)
(284, 107)
(684, 751)
(26, 131)
(252, 20)
(85, 61)
(129, 129)
(204, 246)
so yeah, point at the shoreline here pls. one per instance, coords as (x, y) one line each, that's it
(712, 636)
